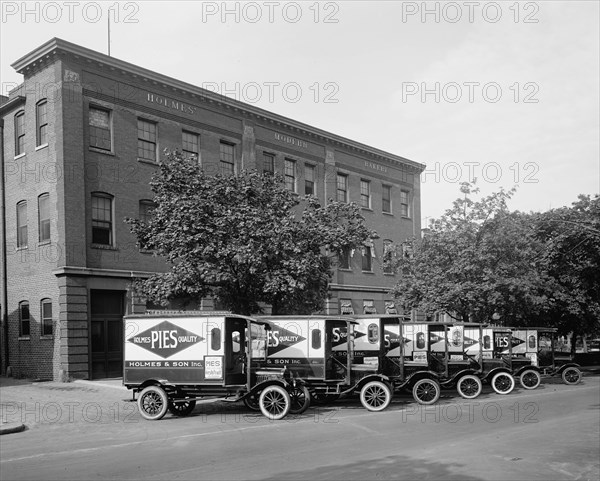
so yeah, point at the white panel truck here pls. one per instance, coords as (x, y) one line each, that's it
(173, 361)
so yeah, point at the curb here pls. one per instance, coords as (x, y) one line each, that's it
(85, 382)
(9, 428)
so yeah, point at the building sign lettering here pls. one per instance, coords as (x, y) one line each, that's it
(171, 104)
(374, 166)
(291, 140)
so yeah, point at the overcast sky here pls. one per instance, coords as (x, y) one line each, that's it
(507, 92)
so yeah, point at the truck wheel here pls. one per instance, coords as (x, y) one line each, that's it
(300, 399)
(251, 402)
(530, 379)
(153, 403)
(571, 375)
(274, 402)
(503, 383)
(375, 396)
(426, 391)
(182, 408)
(469, 386)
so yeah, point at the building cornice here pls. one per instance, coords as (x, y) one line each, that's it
(11, 104)
(93, 272)
(56, 45)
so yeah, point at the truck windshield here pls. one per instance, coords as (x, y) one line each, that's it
(258, 341)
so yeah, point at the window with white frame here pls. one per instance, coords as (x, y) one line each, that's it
(226, 158)
(19, 133)
(102, 219)
(44, 217)
(289, 173)
(190, 144)
(46, 317)
(41, 120)
(309, 179)
(147, 140)
(342, 188)
(100, 129)
(24, 319)
(365, 194)
(405, 203)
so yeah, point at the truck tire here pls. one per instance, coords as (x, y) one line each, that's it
(274, 402)
(153, 403)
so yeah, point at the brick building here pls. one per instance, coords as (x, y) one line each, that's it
(80, 140)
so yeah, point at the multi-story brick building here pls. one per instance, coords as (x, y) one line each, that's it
(81, 136)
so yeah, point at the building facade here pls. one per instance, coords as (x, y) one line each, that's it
(80, 141)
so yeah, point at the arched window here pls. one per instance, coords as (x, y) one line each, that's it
(41, 122)
(19, 133)
(44, 217)
(46, 317)
(24, 319)
(22, 224)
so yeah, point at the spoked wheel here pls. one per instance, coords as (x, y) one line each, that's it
(375, 396)
(571, 375)
(530, 379)
(300, 399)
(182, 408)
(426, 391)
(251, 402)
(469, 386)
(274, 402)
(321, 399)
(503, 383)
(153, 403)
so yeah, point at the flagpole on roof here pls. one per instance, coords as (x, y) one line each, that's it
(108, 33)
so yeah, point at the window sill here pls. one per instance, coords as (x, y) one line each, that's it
(387, 213)
(148, 251)
(103, 247)
(44, 243)
(406, 217)
(148, 161)
(40, 147)
(22, 248)
(101, 151)
(47, 337)
(24, 338)
(344, 269)
(389, 274)
(368, 272)
(20, 155)
(367, 209)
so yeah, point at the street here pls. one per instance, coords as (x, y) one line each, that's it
(551, 433)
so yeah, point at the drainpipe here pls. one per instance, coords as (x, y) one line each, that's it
(4, 277)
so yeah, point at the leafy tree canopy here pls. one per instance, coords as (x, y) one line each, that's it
(243, 239)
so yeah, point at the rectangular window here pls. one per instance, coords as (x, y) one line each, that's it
(344, 259)
(386, 199)
(44, 217)
(309, 179)
(289, 173)
(346, 307)
(342, 188)
(227, 156)
(22, 224)
(268, 163)
(365, 194)
(146, 140)
(190, 143)
(146, 210)
(24, 320)
(367, 262)
(46, 316)
(101, 220)
(404, 203)
(100, 129)
(42, 123)
(388, 257)
(19, 133)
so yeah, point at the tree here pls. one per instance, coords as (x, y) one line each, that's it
(243, 239)
(476, 262)
(571, 236)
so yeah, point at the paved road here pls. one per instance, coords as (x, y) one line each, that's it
(552, 433)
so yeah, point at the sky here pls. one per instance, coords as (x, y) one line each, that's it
(504, 92)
